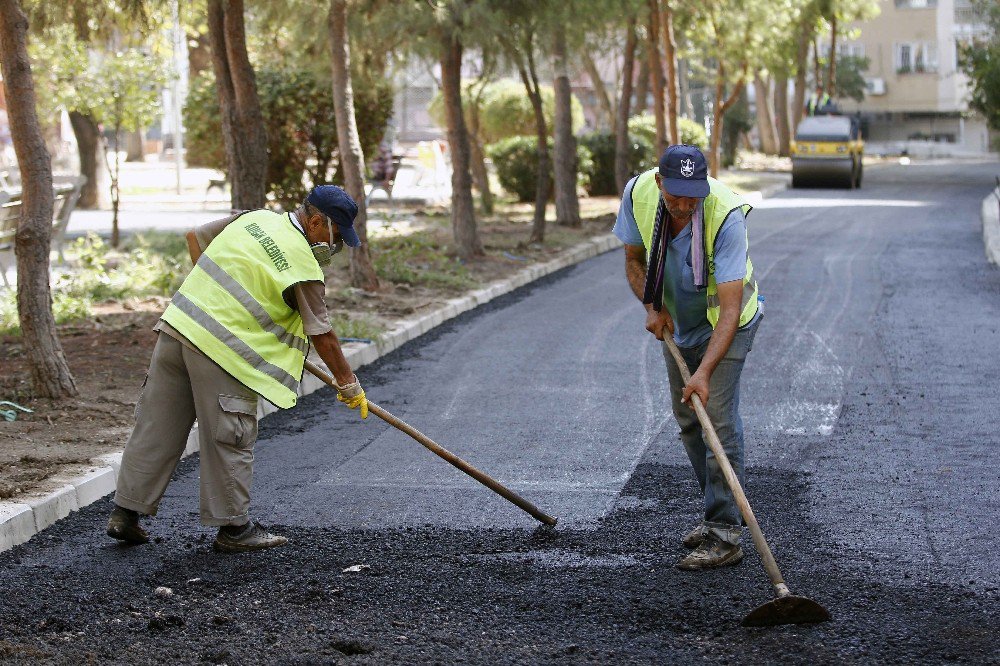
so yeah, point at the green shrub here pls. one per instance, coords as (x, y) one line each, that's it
(516, 162)
(505, 110)
(644, 125)
(65, 308)
(297, 106)
(601, 177)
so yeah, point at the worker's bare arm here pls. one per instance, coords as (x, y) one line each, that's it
(194, 249)
(635, 269)
(328, 347)
(635, 272)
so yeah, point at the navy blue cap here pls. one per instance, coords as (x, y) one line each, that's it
(684, 171)
(337, 205)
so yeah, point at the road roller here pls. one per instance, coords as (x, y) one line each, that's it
(827, 152)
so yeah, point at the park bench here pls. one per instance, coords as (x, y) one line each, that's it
(66, 194)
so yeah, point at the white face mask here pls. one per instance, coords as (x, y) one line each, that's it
(323, 252)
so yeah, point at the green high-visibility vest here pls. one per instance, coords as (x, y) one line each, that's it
(718, 204)
(231, 307)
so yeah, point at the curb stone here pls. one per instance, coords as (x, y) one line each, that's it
(19, 521)
(990, 215)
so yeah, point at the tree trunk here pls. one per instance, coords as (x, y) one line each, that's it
(831, 72)
(530, 79)
(684, 90)
(135, 151)
(87, 145)
(642, 85)
(600, 90)
(621, 121)
(50, 374)
(480, 174)
(765, 123)
(802, 63)
(781, 115)
(656, 71)
(463, 213)
(199, 54)
(567, 203)
(670, 56)
(718, 114)
(239, 107)
(352, 160)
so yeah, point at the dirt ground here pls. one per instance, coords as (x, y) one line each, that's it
(109, 354)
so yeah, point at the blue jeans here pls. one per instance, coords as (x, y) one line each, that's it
(722, 516)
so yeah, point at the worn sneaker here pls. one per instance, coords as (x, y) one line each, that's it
(243, 538)
(694, 538)
(711, 554)
(123, 524)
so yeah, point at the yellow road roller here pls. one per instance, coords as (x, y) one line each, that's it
(827, 152)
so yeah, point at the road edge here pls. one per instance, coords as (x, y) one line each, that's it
(990, 215)
(26, 516)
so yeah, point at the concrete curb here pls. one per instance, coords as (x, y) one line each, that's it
(21, 520)
(990, 215)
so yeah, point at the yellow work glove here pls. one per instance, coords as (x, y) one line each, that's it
(353, 396)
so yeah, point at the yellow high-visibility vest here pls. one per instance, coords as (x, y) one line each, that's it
(231, 305)
(717, 205)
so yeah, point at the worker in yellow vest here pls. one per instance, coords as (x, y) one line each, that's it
(687, 260)
(237, 330)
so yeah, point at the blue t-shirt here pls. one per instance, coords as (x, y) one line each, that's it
(686, 304)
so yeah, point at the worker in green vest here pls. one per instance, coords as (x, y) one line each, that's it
(687, 260)
(236, 331)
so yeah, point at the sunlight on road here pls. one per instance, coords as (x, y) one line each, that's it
(841, 203)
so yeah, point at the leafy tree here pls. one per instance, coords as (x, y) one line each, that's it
(352, 160)
(298, 112)
(980, 60)
(242, 123)
(50, 374)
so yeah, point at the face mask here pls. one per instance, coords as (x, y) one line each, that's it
(322, 252)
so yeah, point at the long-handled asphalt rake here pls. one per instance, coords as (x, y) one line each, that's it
(442, 452)
(785, 608)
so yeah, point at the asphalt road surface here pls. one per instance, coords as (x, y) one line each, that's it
(871, 406)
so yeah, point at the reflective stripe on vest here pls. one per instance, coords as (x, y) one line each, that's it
(716, 207)
(231, 305)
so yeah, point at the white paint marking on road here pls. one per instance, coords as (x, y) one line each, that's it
(814, 398)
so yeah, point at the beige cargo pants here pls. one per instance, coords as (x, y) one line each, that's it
(183, 384)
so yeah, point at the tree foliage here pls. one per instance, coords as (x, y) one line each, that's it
(517, 168)
(980, 59)
(297, 105)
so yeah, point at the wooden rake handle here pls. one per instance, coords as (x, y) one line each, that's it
(444, 453)
(727, 471)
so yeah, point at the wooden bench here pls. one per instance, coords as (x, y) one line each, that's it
(66, 194)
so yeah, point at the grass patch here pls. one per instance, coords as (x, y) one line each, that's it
(146, 265)
(416, 261)
(355, 327)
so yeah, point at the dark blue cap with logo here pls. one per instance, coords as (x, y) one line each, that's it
(684, 171)
(337, 205)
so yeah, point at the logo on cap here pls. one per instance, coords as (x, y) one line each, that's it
(687, 168)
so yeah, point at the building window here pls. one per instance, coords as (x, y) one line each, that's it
(915, 4)
(916, 57)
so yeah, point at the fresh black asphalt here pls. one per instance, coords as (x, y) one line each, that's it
(871, 411)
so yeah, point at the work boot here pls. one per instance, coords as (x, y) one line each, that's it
(243, 538)
(123, 524)
(694, 538)
(711, 554)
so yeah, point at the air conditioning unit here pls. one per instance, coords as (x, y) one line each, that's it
(875, 87)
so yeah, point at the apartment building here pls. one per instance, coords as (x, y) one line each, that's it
(917, 94)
